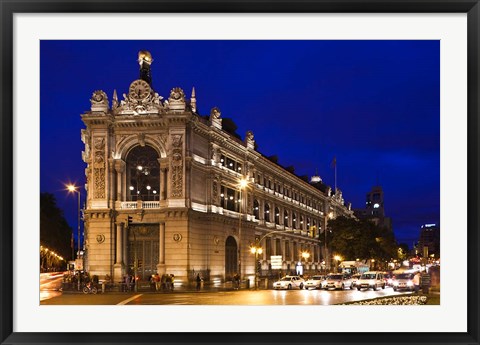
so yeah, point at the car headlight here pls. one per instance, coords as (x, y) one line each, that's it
(409, 283)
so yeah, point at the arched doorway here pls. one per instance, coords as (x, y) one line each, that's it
(231, 260)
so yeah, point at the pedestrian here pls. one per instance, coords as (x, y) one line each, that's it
(236, 279)
(172, 277)
(163, 282)
(158, 285)
(168, 282)
(416, 282)
(199, 281)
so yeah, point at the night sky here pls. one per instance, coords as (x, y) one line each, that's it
(374, 105)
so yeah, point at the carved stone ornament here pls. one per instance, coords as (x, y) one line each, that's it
(177, 237)
(215, 113)
(99, 168)
(216, 240)
(141, 100)
(100, 238)
(176, 140)
(177, 166)
(99, 101)
(176, 101)
(249, 140)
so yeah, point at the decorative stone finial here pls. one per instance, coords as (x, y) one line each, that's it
(99, 101)
(249, 141)
(215, 119)
(193, 101)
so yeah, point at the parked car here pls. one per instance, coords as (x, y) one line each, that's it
(371, 280)
(355, 279)
(289, 282)
(315, 282)
(388, 277)
(403, 281)
(338, 281)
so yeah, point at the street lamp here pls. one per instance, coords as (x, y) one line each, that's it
(73, 189)
(257, 251)
(305, 256)
(337, 259)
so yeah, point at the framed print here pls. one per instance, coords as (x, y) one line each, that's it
(169, 143)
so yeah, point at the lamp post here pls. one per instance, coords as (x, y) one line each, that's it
(242, 184)
(73, 189)
(305, 256)
(257, 250)
(337, 259)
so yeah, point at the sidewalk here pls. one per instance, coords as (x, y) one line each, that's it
(177, 289)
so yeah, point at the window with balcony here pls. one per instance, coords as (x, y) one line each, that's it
(143, 174)
(229, 199)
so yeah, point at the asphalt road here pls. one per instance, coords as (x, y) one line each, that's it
(232, 297)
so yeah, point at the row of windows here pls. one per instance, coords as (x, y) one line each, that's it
(230, 200)
(289, 192)
(270, 183)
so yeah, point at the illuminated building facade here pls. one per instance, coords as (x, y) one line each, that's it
(429, 240)
(164, 192)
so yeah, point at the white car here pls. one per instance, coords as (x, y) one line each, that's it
(371, 280)
(403, 281)
(289, 282)
(338, 281)
(315, 282)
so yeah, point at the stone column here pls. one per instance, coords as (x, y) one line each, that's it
(119, 168)
(125, 245)
(119, 263)
(163, 177)
(161, 247)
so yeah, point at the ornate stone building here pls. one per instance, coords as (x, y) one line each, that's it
(164, 192)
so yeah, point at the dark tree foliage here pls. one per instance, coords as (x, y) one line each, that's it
(55, 233)
(360, 239)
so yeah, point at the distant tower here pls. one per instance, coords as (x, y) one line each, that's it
(145, 60)
(374, 202)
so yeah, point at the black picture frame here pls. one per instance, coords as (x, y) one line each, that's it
(10, 7)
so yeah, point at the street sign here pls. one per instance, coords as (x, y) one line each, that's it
(78, 264)
(276, 262)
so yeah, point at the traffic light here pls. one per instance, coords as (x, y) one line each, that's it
(130, 220)
(140, 263)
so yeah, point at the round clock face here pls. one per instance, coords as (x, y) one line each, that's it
(139, 89)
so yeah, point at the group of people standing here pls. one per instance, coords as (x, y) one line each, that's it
(164, 283)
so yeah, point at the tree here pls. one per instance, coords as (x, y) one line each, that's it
(55, 233)
(360, 239)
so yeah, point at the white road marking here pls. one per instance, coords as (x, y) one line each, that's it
(129, 300)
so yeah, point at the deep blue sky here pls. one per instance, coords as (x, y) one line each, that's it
(374, 105)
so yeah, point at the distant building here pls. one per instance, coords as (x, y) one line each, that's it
(172, 191)
(429, 240)
(374, 208)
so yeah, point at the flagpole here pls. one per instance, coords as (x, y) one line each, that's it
(335, 175)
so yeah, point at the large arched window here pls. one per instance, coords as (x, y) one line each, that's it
(143, 174)
(277, 216)
(267, 212)
(294, 220)
(256, 209)
(285, 218)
